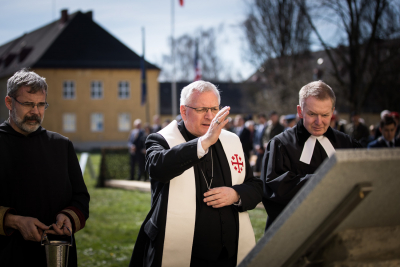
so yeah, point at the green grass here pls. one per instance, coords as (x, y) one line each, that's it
(114, 222)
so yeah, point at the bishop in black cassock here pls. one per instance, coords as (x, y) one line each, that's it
(216, 231)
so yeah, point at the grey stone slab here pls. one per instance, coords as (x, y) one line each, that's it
(363, 245)
(332, 182)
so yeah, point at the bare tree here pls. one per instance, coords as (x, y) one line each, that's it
(366, 50)
(278, 40)
(276, 29)
(212, 66)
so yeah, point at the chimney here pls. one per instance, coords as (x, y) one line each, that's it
(64, 16)
(89, 14)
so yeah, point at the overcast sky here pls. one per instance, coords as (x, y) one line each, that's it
(125, 18)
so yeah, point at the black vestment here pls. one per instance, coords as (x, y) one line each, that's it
(283, 173)
(163, 164)
(40, 178)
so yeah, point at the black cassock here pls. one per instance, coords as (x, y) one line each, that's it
(283, 173)
(40, 178)
(214, 228)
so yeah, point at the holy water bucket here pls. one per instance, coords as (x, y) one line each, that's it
(57, 251)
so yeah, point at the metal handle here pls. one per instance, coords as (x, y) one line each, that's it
(51, 226)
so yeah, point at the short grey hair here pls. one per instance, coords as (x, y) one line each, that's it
(24, 77)
(319, 90)
(198, 86)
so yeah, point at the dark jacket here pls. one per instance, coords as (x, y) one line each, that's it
(164, 164)
(283, 173)
(40, 178)
(380, 143)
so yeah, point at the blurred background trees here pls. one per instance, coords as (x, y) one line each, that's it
(278, 41)
(367, 54)
(356, 43)
(212, 66)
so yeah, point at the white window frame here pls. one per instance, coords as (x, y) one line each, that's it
(69, 122)
(124, 122)
(69, 90)
(96, 120)
(96, 90)
(124, 90)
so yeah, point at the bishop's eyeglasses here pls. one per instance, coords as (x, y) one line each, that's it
(203, 110)
(31, 105)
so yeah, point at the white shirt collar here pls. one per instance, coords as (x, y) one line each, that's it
(308, 149)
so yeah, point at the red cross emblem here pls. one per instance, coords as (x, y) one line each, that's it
(238, 162)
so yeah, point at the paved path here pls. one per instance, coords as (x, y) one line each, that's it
(129, 185)
(139, 185)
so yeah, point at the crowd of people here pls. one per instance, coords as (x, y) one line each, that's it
(136, 145)
(202, 182)
(256, 135)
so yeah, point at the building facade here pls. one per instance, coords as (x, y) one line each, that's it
(94, 80)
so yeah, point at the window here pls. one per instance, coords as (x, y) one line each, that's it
(123, 89)
(96, 90)
(69, 90)
(97, 122)
(124, 122)
(69, 122)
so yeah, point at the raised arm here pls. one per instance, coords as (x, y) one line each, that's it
(164, 163)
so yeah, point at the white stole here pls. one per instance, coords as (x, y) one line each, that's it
(181, 210)
(309, 146)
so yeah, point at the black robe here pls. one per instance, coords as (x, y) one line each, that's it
(283, 173)
(163, 164)
(40, 178)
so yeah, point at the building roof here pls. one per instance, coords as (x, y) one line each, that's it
(231, 95)
(74, 41)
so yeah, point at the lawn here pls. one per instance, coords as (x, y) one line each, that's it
(115, 219)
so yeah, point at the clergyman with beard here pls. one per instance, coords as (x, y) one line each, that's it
(41, 183)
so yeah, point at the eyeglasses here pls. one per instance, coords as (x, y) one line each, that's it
(203, 110)
(31, 105)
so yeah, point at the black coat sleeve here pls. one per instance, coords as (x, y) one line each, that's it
(281, 183)
(78, 207)
(164, 163)
(250, 191)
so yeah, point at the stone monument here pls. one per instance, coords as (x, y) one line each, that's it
(347, 215)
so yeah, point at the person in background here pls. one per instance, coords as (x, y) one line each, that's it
(388, 139)
(371, 133)
(244, 135)
(383, 114)
(357, 130)
(274, 128)
(229, 125)
(41, 182)
(135, 146)
(258, 142)
(336, 123)
(396, 117)
(250, 125)
(165, 123)
(156, 124)
(290, 121)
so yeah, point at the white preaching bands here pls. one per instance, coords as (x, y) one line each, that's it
(308, 149)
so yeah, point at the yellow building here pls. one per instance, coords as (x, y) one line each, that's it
(94, 80)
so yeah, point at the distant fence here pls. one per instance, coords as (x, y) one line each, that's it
(114, 164)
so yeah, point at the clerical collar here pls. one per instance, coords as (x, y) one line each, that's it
(302, 134)
(190, 136)
(308, 142)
